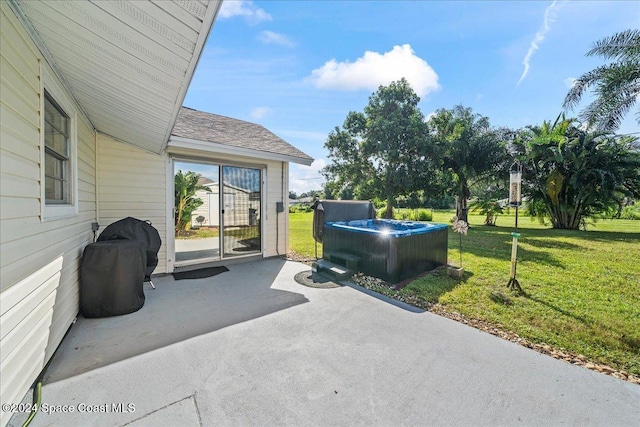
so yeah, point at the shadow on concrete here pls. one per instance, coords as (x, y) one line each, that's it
(174, 312)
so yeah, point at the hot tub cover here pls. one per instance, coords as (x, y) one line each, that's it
(339, 210)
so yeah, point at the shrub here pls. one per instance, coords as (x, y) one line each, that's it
(630, 212)
(407, 214)
(422, 215)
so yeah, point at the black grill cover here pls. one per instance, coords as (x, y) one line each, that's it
(111, 278)
(135, 229)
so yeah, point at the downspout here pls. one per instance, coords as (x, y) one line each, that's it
(95, 226)
(278, 213)
(96, 178)
(285, 196)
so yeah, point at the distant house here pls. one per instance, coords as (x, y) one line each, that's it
(237, 202)
(92, 125)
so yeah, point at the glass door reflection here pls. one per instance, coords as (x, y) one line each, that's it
(197, 212)
(241, 211)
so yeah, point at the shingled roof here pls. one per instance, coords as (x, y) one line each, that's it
(207, 127)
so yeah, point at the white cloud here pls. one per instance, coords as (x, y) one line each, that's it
(569, 82)
(269, 37)
(374, 69)
(259, 112)
(317, 165)
(244, 8)
(306, 178)
(549, 17)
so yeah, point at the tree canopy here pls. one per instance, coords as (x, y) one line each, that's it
(572, 174)
(469, 148)
(616, 85)
(382, 152)
(185, 186)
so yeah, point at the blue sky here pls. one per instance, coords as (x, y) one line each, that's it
(299, 67)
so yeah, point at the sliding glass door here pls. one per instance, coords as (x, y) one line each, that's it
(241, 211)
(216, 206)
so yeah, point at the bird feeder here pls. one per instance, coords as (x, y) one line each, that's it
(515, 199)
(515, 184)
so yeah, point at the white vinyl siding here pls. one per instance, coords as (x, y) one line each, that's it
(132, 182)
(277, 232)
(39, 289)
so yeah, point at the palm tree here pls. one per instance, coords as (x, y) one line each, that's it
(471, 150)
(615, 85)
(571, 174)
(186, 185)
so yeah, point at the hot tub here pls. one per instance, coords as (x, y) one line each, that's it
(388, 249)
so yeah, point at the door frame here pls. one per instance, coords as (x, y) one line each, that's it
(170, 211)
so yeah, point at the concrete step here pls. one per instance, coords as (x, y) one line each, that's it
(351, 261)
(331, 269)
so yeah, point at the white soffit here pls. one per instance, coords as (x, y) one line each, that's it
(128, 64)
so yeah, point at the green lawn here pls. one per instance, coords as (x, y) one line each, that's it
(581, 288)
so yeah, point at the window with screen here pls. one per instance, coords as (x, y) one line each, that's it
(57, 153)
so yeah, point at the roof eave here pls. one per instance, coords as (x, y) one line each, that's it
(152, 65)
(209, 19)
(212, 147)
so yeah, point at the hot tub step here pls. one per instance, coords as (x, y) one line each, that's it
(351, 261)
(329, 268)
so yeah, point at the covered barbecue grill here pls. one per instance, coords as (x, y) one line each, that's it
(134, 229)
(114, 268)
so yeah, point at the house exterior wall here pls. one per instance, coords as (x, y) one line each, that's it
(277, 191)
(275, 188)
(132, 182)
(39, 259)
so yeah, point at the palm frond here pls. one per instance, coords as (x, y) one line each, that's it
(624, 45)
(582, 84)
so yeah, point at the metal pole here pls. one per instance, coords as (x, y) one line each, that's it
(513, 282)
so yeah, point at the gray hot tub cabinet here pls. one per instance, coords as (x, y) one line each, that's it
(390, 250)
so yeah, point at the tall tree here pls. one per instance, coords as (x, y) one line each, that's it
(185, 186)
(616, 85)
(470, 149)
(571, 174)
(382, 152)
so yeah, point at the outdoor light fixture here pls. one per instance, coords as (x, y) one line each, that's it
(515, 199)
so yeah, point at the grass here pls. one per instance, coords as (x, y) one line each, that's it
(206, 232)
(301, 235)
(581, 288)
(198, 233)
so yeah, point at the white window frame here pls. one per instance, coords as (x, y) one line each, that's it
(50, 212)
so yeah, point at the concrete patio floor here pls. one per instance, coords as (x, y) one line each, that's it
(252, 347)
